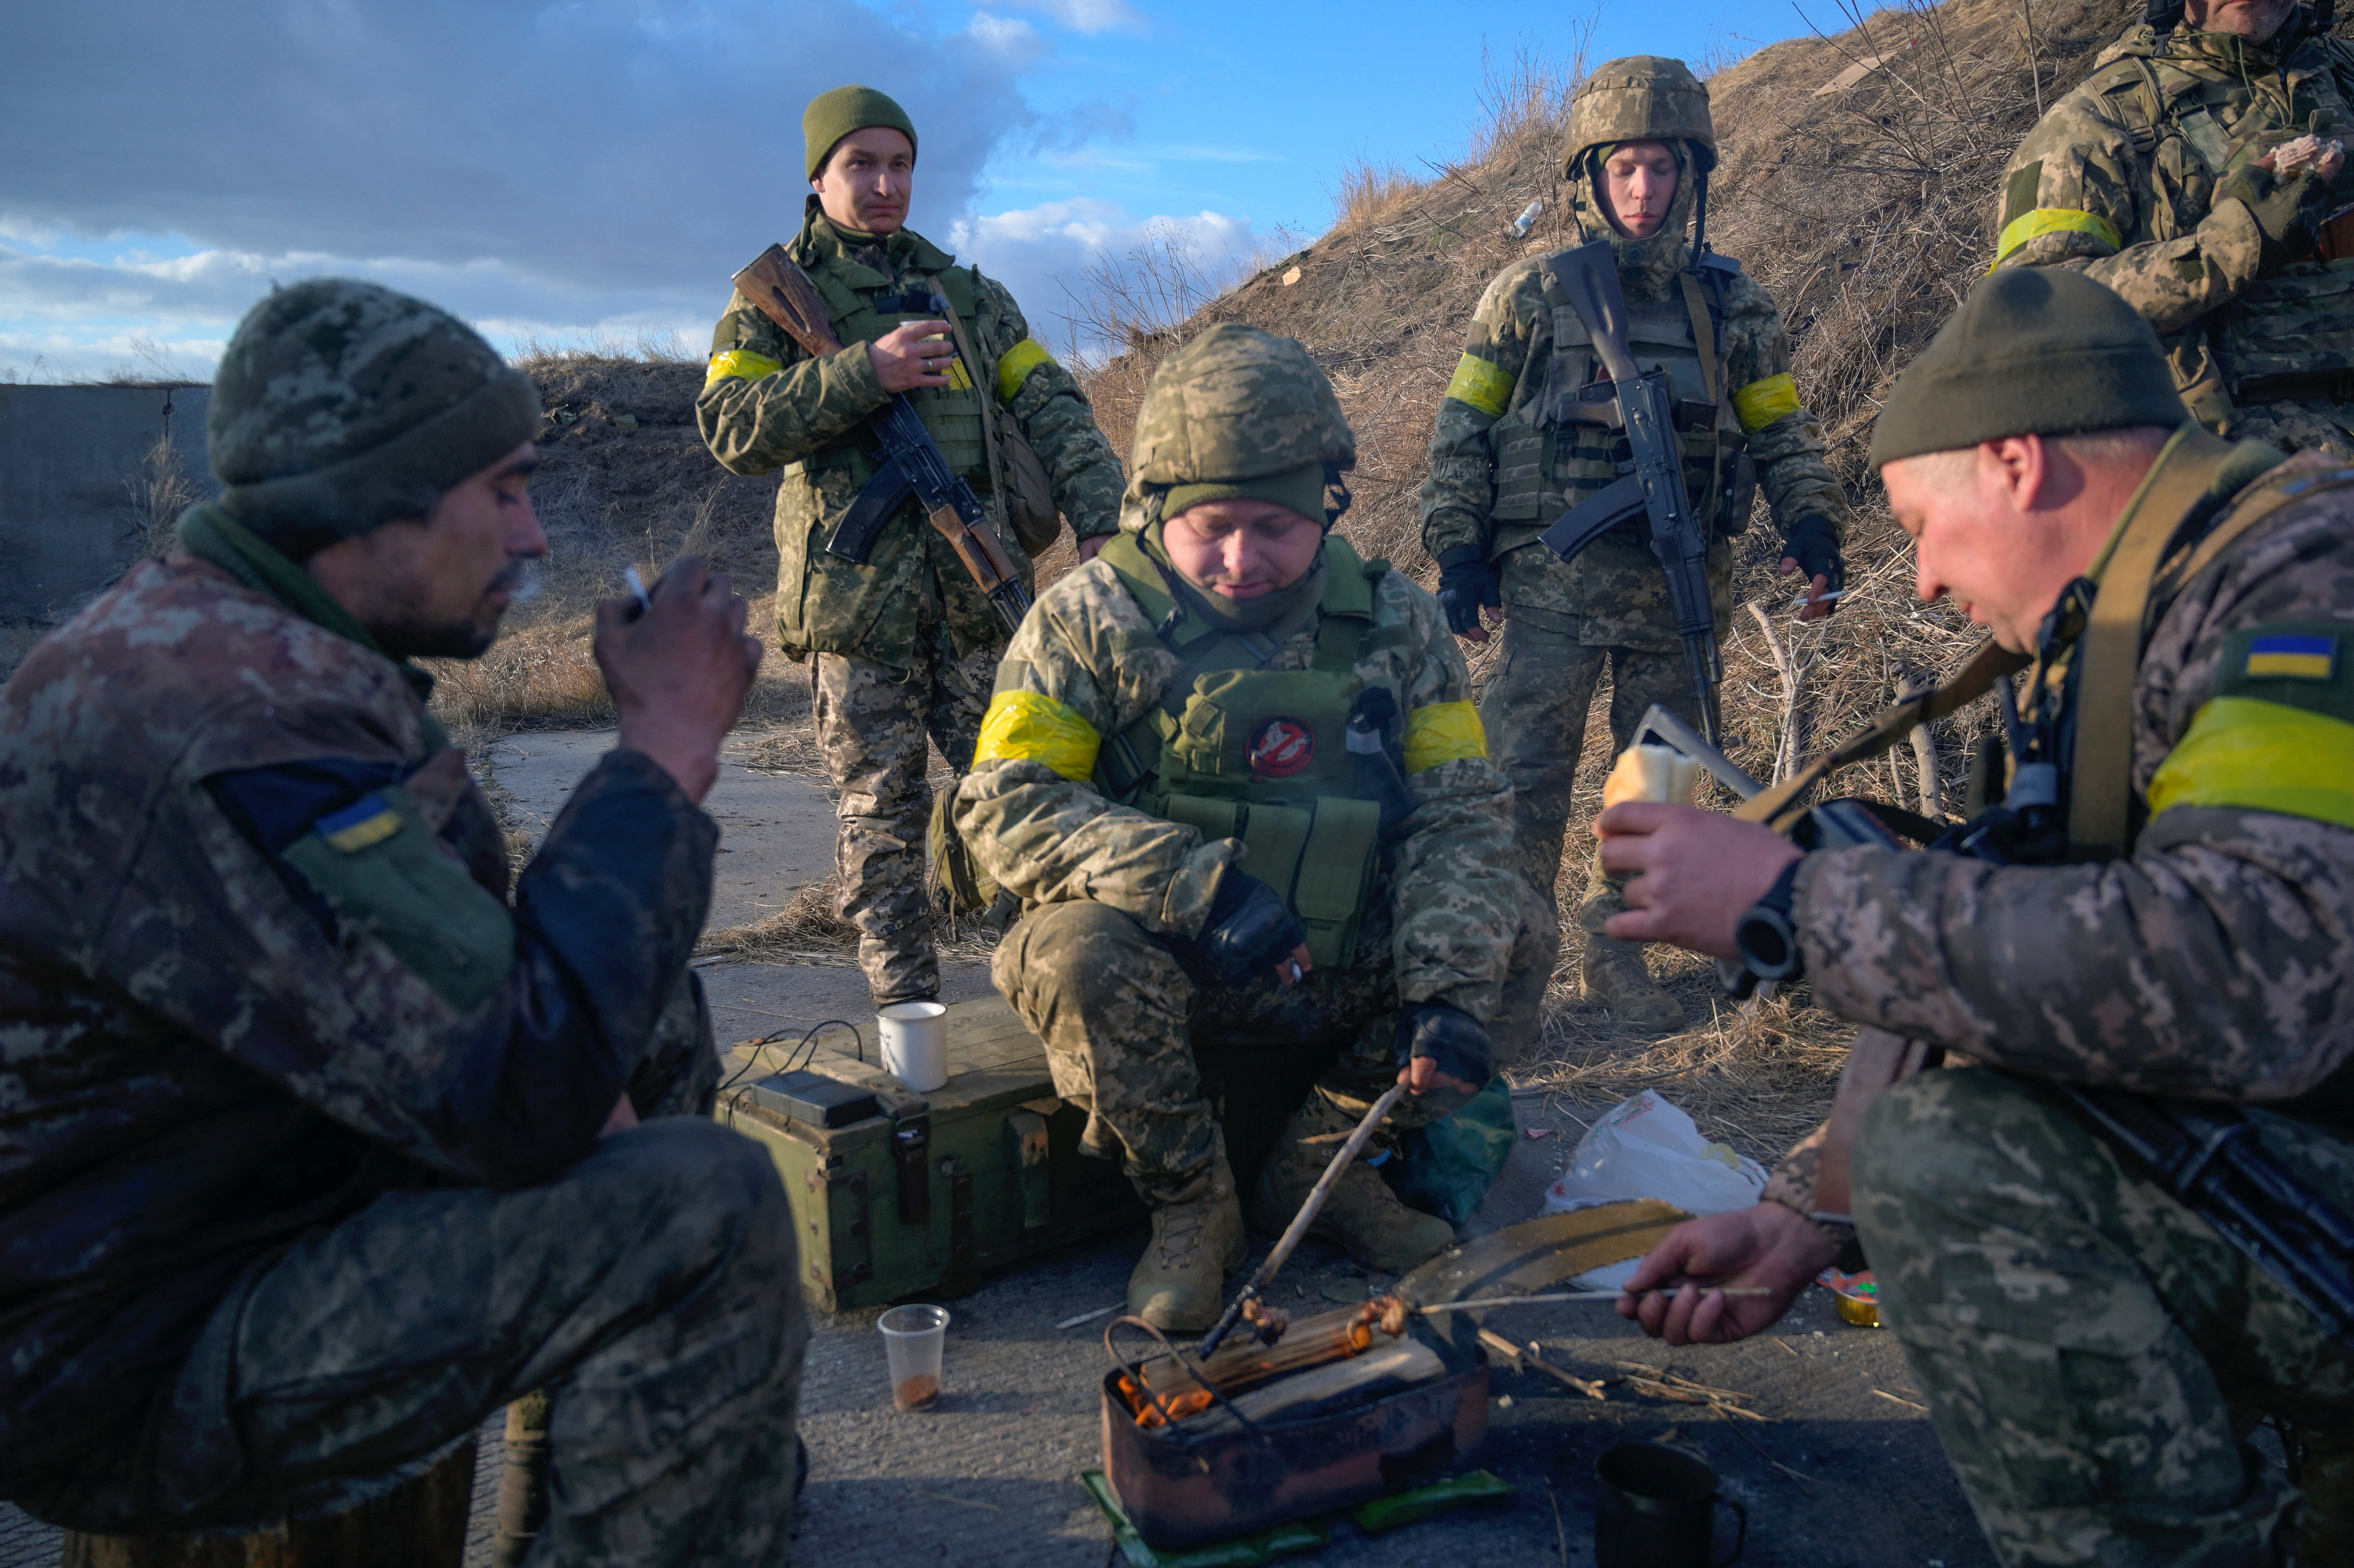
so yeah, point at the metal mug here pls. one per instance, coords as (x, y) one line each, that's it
(1655, 1507)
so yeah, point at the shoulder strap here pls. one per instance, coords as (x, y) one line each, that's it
(2185, 567)
(1139, 574)
(984, 383)
(1347, 609)
(1703, 326)
(2108, 655)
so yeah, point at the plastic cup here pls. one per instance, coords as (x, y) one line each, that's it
(913, 1338)
(915, 1044)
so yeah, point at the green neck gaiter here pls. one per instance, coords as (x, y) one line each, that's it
(210, 534)
(1279, 614)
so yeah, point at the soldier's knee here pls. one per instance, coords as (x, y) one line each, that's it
(700, 1193)
(1957, 1141)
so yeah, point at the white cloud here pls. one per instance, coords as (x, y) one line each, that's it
(1089, 15)
(1007, 37)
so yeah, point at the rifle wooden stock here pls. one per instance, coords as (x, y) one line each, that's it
(776, 286)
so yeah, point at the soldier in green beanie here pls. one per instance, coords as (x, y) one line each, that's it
(326, 1135)
(2162, 903)
(901, 643)
(1171, 781)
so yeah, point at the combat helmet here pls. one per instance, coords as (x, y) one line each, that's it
(1641, 97)
(1238, 411)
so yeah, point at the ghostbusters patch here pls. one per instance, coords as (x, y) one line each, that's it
(1282, 747)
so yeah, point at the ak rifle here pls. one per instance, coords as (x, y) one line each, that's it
(911, 462)
(1654, 482)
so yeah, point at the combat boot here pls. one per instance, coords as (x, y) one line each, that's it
(1362, 1215)
(1617, 978)
(1179, 1285)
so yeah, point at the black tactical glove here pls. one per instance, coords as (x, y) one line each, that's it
(1465, 582)
(1814, 544)
(2278, 204)
(1250, 931)
(1449, 1036)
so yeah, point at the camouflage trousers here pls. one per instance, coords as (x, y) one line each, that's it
(1534, 712)
(875, 726)
(2312, 426)
(2093, 1354)
(1120, 1014)
(651, 1290)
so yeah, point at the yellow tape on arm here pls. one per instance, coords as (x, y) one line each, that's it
(1443, 732)
(1014, 369)
(1760, 403)
(741, 364)
(1024, 726)
(1481, 386)
(2266, 756)
(2044, 220)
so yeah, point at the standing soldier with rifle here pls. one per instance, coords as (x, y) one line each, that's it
(924, 466)
(2198, 173)
(1531, 426)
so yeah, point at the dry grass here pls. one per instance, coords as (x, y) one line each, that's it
(808, 931)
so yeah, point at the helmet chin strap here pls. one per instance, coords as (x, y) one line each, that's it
(1700, 211)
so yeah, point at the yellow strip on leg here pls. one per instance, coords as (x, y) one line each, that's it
(1481, 386)
(1028, 727)
(1443, 732)
(2266, 756)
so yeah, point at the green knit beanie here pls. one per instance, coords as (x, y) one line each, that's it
(1301, 488)
(341, 406)
(830, 116)
(2033, 351)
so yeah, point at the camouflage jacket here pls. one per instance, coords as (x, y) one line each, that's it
(2215, 960)
(1611, 594)
(767, 405)
(1087, 662)
(258, 964)
(2118, 181)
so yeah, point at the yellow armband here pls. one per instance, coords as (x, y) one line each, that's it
(1443, 732)
(2045, 221)
(1026, 726)
(2266, 756)
(1481, 386)
(1760, 403)
(741, 364)
(1014, 370)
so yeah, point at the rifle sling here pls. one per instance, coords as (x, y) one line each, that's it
(984, 379)
(1992, 662)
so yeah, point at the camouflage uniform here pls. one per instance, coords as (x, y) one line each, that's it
(1501, 470)
(904, 643)
(2091, 1350)
(2121, 180)
(276, 1035)
(1114, 895)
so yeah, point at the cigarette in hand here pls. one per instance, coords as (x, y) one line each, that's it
(637, 587)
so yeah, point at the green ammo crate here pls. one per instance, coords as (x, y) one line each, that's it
(922, 1193)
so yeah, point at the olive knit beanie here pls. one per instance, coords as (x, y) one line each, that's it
(2033, 351)
(341, 406)
(830, 116)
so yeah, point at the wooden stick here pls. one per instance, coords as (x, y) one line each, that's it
(1731, 1290)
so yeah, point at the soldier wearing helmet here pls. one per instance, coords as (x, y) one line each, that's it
(2198, 171)
(1234, 777)
(1517, 445)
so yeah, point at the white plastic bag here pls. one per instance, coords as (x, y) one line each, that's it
(1645, 1147)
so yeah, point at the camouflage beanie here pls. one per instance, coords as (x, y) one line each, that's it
(2033, 351)
(830, 116)
(1236, 413)
(342, 406)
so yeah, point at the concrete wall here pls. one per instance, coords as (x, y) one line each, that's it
(70, 460)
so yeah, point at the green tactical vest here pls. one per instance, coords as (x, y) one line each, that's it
(951, 414)
(1259, 755)
(2195, 127)
(1564, 443)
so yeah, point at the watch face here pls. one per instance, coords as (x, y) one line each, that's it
(1282, 747)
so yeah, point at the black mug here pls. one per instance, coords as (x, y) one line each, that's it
(1656, 1507)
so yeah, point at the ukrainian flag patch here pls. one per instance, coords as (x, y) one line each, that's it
(2295, 656)
(367, 822)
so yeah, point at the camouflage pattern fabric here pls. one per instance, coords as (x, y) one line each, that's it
(876, 726)
(2311, 426)
(1234, 403)
(1535, 705)
(2118, 181)
(2211, 962)
(1050, 839)
(2092, 1352)
(804, 410)
(239, 1020)
(1121, 1009)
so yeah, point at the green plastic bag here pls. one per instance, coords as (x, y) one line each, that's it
(1447, 1168)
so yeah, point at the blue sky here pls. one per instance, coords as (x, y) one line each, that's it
(577, 170)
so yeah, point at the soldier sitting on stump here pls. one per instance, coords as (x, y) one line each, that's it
(314, 1147)
(1234, 774)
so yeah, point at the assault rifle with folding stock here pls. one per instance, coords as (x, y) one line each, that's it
(911, 462)
(1654, 482)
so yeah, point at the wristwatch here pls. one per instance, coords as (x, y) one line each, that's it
(1767, 935)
